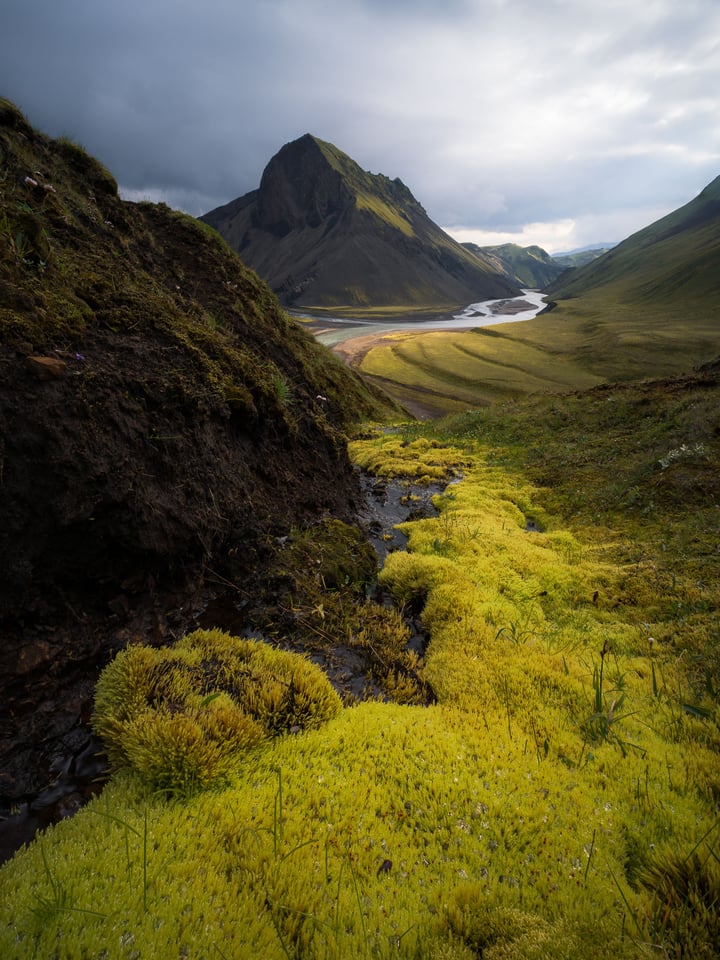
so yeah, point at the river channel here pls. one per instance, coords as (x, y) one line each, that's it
(334, 330)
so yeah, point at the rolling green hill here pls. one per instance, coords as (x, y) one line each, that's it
(646, 308)
(674, 262)
(527, 266)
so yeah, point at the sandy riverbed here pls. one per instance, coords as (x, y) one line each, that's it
(352, 338)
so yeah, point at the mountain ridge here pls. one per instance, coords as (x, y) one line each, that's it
(323, 232)
(529, 266)
(672, 259)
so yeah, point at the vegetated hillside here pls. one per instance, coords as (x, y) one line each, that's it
(646, 308)
(446, 371)
(673, 262)
(527, 266)
(579, 258)
(323, 232)
(557, 802)
(160, 417)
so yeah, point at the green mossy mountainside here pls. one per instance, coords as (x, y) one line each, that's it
(160, 416)
(672, 262)
(179, 394)
(323, 232)
(526, 266)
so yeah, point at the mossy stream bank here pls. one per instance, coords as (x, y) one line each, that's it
(78, 766)
(162, 423)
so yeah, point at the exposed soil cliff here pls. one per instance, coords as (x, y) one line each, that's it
(162, 422)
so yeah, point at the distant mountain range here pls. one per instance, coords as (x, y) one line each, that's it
(526, 266)
(533, 266)
(583, 255)
(324, 233)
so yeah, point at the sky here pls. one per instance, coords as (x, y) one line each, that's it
(562, 123)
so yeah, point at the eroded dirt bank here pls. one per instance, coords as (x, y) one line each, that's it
(51, 762)
(162, 424)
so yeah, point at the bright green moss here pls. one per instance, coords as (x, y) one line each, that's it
(527, 814)
(183, 716)
(420, 458)
(188, 751)
(390, 830)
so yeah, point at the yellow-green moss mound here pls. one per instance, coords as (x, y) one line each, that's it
(183, 716)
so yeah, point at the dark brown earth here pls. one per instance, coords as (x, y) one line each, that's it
(163, 426)
(117, 517)
(52, 763)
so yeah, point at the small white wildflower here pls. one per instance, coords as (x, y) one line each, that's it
(683, 452)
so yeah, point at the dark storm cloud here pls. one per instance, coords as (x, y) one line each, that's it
(568, 115)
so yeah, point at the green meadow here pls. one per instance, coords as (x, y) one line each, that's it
(456, 370)
(578, 344)
(558, 799)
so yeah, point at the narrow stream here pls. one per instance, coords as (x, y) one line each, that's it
(81, 774)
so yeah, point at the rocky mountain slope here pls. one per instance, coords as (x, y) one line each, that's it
(322, 232)
(162, 421)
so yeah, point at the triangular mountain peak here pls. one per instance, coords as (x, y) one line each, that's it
(324, 232)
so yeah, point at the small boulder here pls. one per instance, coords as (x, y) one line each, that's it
(46, 368)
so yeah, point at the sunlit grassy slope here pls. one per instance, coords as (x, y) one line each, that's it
(671, 261)
(456, 370)
(560, 798)
(578, 344)
(646, 308)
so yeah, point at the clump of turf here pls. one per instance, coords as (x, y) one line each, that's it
(183, 716)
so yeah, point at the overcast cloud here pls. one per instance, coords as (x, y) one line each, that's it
(561, 122)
